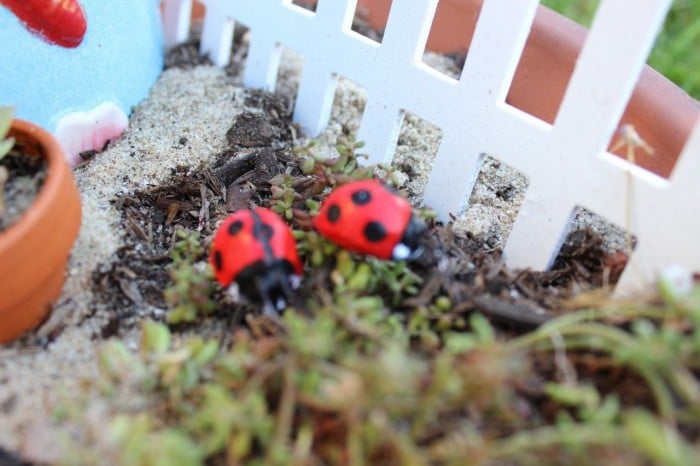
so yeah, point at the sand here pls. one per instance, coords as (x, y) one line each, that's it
(197, 104)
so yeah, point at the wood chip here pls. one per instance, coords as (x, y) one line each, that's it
(130, 290)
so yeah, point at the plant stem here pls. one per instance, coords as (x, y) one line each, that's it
(569, 325)
(4, 176)
(603, 338)
(600, 434)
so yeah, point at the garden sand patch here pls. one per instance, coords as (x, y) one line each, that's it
(182, 122)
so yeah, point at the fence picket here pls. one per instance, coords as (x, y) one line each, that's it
(498, 41)
(379, 129)
(217, 36)
(607, 71)
(315, 96)
(263, 62)
(176, 15)
(566, 163)
(407, 29)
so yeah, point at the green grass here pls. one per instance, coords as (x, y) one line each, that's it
(675, 52)
(581, 11)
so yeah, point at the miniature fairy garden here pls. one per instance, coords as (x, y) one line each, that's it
(449, 357)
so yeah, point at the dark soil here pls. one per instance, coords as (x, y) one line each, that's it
(259, 148)
(195, 199)
(25, 176)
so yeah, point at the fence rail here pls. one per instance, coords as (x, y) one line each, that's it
(566, 163)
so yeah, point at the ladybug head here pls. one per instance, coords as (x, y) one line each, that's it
(269, 284)
(410, 246)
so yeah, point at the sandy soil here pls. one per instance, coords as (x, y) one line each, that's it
(182, 122)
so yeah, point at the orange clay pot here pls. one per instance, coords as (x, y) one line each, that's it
(34, 251)
(661, 112)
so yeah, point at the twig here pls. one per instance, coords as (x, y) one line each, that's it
(234, 168)
(510, 313)
(204, 211)
(561, 360)
(520, 444)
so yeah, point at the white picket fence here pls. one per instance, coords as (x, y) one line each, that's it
(566, 163)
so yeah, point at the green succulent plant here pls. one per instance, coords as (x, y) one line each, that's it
(5, 121)
(5, 146)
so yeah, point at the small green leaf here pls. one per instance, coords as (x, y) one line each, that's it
(482, 328)
(573, 395)
(155, 337)
(5, 146)
(5, 120)
(360, 279)
(661, 443)
(172, 447)
(206, 352)
(459, 342)
(308, 165)
(114, 357)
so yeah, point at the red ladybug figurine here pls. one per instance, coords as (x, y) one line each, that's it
(255, 249)
(57, 22)
(367, 217)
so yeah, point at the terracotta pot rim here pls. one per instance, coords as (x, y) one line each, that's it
(661, 111)
(53, 154)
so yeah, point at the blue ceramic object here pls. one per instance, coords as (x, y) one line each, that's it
(83, 95)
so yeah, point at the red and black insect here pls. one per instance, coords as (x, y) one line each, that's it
(368, 217)
(255, 251)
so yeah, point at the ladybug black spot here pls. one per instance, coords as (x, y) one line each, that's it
(374, 232)
(262, 231)
(333, 213)
(235, 227)
(218, 260)
(361, 197)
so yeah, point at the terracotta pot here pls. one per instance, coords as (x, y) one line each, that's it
(661, 112)
(34, 251)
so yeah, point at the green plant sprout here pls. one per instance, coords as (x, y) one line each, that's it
(193, 286)
(335, 386)
(5, 122)
(6, 145)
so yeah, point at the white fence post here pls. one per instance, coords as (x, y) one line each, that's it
(478, 120)
(566, 163)
(217, 36)
(176, 19)
(403, 43)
